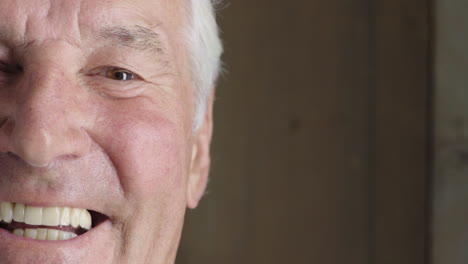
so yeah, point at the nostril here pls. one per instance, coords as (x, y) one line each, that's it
(6, 125)
(13, 156)
(16, 158)
(3, 121)
(39, 142)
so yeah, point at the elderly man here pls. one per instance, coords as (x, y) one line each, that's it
(106, 119)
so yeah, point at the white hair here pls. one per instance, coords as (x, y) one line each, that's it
(205, 49)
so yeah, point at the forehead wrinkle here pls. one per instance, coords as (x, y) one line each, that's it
(135, 37)
(56, 20)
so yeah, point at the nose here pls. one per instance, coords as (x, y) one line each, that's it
(45, 123)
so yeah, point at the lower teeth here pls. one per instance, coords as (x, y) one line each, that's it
(44, 234)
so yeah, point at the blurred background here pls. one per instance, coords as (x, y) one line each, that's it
(341, 136)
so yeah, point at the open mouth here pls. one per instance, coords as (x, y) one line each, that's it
(47, 223)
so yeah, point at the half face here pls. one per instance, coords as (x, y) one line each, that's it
(97, 156)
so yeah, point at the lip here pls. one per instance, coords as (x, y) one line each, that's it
(79, 241)
(99, 241)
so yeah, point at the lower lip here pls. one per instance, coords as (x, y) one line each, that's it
(8, 237)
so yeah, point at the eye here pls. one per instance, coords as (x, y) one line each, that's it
(119, 74)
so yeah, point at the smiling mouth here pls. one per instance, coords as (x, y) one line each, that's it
(47, 223)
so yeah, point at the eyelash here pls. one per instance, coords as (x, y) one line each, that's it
(110, 72)
(119, 74)
(115, 81)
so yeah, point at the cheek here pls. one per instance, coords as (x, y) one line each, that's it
(148, 152)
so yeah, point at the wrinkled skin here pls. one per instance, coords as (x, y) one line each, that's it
(73, 133)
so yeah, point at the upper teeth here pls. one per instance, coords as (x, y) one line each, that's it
(45, 216)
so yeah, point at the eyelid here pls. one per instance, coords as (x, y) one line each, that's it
(97, 79)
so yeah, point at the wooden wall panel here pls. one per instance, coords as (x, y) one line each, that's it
(403, 57)
(307, 137)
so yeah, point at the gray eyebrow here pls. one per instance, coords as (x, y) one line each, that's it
(136, 37)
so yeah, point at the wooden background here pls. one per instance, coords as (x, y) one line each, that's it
(320, 151)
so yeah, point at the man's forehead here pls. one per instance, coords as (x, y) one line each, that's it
(133, 23)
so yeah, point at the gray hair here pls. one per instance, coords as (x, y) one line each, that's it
(205, 49)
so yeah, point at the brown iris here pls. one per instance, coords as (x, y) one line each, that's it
(120, 75)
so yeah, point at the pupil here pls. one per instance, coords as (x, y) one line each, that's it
(121, 76)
